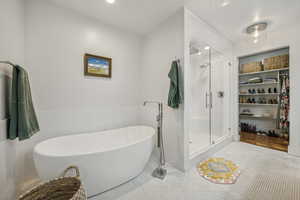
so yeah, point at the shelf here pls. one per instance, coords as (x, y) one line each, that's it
(257, 104)
(258, 111)
(257, 118)
(262, 72)
(261, 94)
(258, 84)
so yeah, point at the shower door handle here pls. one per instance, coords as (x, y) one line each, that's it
(206, 101)
(210, 99)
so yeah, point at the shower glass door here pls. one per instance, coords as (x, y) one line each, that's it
(209, 82)
(199, 133)
(220, 96)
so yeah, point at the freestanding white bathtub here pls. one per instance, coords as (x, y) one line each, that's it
(106, 159)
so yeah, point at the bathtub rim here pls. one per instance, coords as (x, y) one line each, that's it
(36, 151)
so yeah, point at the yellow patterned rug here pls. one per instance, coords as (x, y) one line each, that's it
(219, 170)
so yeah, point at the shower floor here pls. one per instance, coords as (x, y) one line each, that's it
(198, 141)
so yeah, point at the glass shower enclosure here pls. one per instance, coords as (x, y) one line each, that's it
(209, 85)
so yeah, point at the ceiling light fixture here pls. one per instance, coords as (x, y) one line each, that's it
(110, 1)
(199, 53)
(255, 30)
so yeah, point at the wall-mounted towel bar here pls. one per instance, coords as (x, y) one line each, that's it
(7, 62)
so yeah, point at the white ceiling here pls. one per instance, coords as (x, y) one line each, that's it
(232, 20)
(141, 16)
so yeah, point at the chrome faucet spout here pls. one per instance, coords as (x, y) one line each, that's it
(155, 102)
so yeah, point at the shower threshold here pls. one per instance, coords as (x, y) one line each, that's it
(209, 150)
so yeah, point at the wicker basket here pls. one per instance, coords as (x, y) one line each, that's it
(62, 188)
(251, 67)
(276, 62)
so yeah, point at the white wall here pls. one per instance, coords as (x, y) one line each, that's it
(160, 48)
(66, 101)
(12, 49)
(287, 36)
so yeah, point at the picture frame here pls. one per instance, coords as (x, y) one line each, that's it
(98, 66)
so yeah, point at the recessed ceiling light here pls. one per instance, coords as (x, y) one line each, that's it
(199, 53)
(110, 1)
(207, 47)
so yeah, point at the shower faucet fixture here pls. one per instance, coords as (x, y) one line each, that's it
(159, 172)
(203, 66)
(221, 94)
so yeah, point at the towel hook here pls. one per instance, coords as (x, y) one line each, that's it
(177, 59)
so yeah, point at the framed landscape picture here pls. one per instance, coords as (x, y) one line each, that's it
(97, 66)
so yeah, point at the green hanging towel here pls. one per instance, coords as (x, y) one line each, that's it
(176, 88)
(23, 122)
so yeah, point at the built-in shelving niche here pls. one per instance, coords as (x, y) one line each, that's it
(263, 104)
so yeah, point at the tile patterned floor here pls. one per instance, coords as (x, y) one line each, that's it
(253, 160)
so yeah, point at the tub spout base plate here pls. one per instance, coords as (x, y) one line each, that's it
(159, 173)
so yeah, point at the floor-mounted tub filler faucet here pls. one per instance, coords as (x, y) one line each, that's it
(159, 172)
